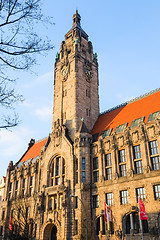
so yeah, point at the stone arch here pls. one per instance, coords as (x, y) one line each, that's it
(130, 222)
(98, 225)
(51, 231)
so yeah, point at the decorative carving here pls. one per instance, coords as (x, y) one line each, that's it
(57, 133)
(107, 145)
(121, 141)
(135, 137)
(130, 173)
(151, 131)
(147, 169)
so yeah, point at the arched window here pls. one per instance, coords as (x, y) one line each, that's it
(57, 171)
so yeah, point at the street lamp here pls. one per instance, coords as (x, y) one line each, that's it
(85, 214)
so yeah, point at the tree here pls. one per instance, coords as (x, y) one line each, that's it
(19, 46)
(24, 224)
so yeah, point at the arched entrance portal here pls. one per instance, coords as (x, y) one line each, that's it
(54, 233)
(50, 232)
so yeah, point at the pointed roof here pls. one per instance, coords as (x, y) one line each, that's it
(83, 128)
(126, 113)
(77, 26)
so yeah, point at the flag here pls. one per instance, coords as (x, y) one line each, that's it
(10, 224)
(108, 213)
(143, 214)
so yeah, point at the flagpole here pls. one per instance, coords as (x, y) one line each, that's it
(105, 231)
(141, 226)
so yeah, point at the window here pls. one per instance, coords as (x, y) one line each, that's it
(24, 187)
(53, 203)
(76, 227)
(137, 152)
(83, 176)
(95, 201)
(156, 191)
(123, 170)
(52, 174)
(76, 202)
(83, 170)
(140, 193)
(124, 197)
(16, 188)
(31, 185)
(63, 170)
(76, 170)
(95, 170)
(108, 166)
(109, 199)
(3, 214)
(83, 163)
(60, 201)
(137, 159)
(154, 152)
(122, 164)
(122, 156)
(10, 190)
(58, 171)
(138, 166)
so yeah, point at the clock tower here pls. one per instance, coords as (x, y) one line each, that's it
(76, 81)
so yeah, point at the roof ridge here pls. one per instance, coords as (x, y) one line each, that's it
(131, 101)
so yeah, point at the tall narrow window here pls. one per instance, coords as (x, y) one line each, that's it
(16, 188)
(157, 192)
(31, 185)
(137, 159)
(52, 174)
(122, 163)
(95, 199)
(76, 227)
(108, 166)
(24, 187)
(10, 190)
(63, 170)
(83, 170)
(58, 170)
(95, 170)
(140, 193)
(109, 199)
(76, 171)
(124, 197)
(154, 152)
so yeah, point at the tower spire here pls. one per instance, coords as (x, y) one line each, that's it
(76, 19)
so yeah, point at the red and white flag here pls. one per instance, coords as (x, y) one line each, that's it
(10, 224)
(142, 211)
(108, 213)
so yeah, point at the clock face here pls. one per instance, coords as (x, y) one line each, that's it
(88, 72)
(64, 72)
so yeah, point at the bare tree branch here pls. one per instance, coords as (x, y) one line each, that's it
(19, 46)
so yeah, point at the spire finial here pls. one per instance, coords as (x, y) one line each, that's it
(76, 19)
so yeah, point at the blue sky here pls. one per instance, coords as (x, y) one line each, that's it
(125, 34)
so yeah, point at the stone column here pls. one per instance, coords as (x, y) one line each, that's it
(132, 224)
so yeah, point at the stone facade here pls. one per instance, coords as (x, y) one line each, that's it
(64, 180)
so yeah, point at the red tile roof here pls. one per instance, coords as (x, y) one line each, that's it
(34, 151)
(126, 114)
